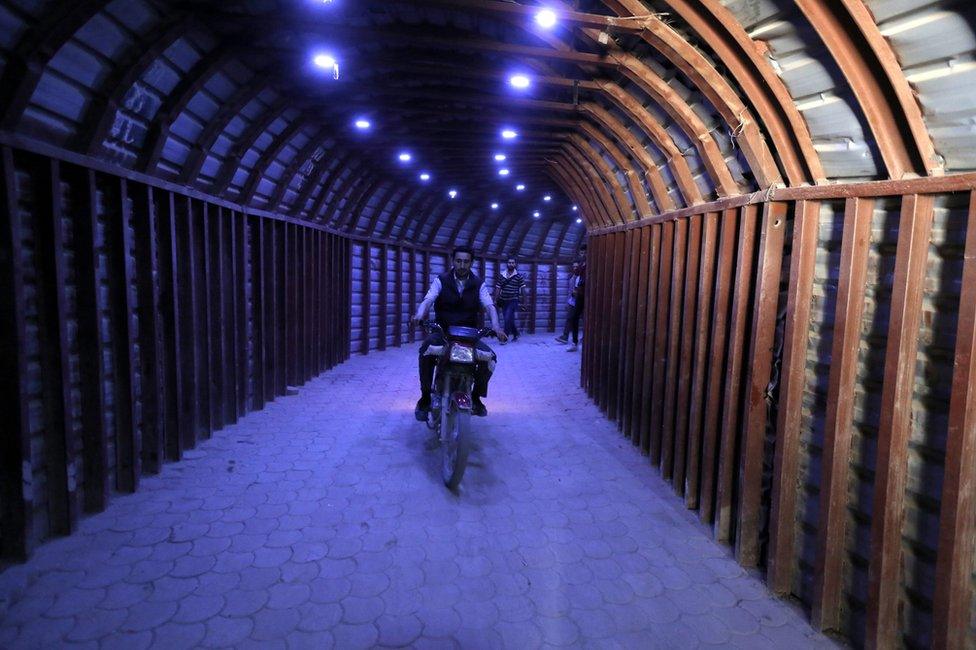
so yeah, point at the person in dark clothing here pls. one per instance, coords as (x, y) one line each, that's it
(457, 296)
(577, 286)
(508, 292)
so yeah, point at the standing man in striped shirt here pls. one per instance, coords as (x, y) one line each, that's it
(508, 294)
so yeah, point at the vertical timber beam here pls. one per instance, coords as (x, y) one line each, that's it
(828, 572)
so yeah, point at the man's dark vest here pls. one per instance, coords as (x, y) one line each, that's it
(458, 309)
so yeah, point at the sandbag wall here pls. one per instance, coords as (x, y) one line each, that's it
(387, 290)
(137, 320)
(800, 371)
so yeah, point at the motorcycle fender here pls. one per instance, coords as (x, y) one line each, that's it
(461, 400)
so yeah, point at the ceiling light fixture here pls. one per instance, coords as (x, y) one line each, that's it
(453, 194)
(547, 198)
(425, 177)
(520, 81)
(536, 214)
(363, 124)
(509, 134)
(520, 187)
(503, 172)
(546, 18)
(579, 220)
(500, 157)
(494, 206)
(405, 157)
(575, 208)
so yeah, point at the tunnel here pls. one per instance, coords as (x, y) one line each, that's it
(220, 223)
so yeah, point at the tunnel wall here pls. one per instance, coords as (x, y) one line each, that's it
(799, 371)
(384, 297)
(137, 319)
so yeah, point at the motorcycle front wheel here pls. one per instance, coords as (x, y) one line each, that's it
(455, 443)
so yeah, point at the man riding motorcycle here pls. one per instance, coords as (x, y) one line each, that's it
(457, 296)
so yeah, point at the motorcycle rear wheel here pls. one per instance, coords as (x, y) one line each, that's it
(455, 444)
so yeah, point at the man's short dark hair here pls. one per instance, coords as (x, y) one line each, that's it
(462, 249)
(512, 257)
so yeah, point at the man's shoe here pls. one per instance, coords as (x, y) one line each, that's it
(478, 409)
(571, 348)
(562, 339)
(422, 409)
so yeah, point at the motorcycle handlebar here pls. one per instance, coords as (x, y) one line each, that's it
(431, 325)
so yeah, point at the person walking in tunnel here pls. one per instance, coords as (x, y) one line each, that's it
(575, 302)
(457, 296)
(508, 293)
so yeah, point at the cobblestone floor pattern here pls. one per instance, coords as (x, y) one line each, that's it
(321, 521)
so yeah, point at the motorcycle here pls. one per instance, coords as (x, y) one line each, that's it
(450, 401)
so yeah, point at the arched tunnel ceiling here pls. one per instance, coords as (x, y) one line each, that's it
(636, 108)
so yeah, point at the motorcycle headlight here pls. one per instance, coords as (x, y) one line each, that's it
(462, 353)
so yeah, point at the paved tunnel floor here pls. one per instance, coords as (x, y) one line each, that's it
(322, 521)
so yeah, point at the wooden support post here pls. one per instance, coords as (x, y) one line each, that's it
(57, 414)
(151, 354)
(647, 363)
(301, 307)
(259, 311)
(366, 302)
(626, 369)
(618, 385)
(412, 334)
(660, 346)
(229, 334)
(398, 298)
(611, 376)
(678, 261)
(169, 323)
(384, 296)
(122, 276)
(952, 601)
(533, 296)
(700, 356)
(91, 368)
(687, 335)
(553, 295)
(193, 328)
(735, 374)
(213, 269)
(828, 571)
(243, 334)
(780, 563)
(895, 425)
(758, 374)
(716, 363)
(16, 505)
(632, 420)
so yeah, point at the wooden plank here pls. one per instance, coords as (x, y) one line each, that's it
(700, 356)
(308, 265)
(687, 334)
(758, 374)
(620, 343)
(289, 289)
(383, 295)
(609, 320)
(647, 364)
(332, 301)
(318, 243)
(600, 324)
(632, 417)
(213, 240)
(121, 273)
(244, 332)
(366, 301)
(259, 362)
(553, 295)
(626, 369)
(780, 563)
(228, 267)
(828, 570)
(952, 601)
(169, 323)
(193, 328)
(398, 298)
(151, 354)
(279, 303)
(346, 248)
(678, 261)
(91, 369)
(412, 334)
(716, 363)
(613, 374)
(301, 303)
(57, 414)
(660, 346)
(895, 425)
(16, 505)
(730, 434)
(533, 295)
